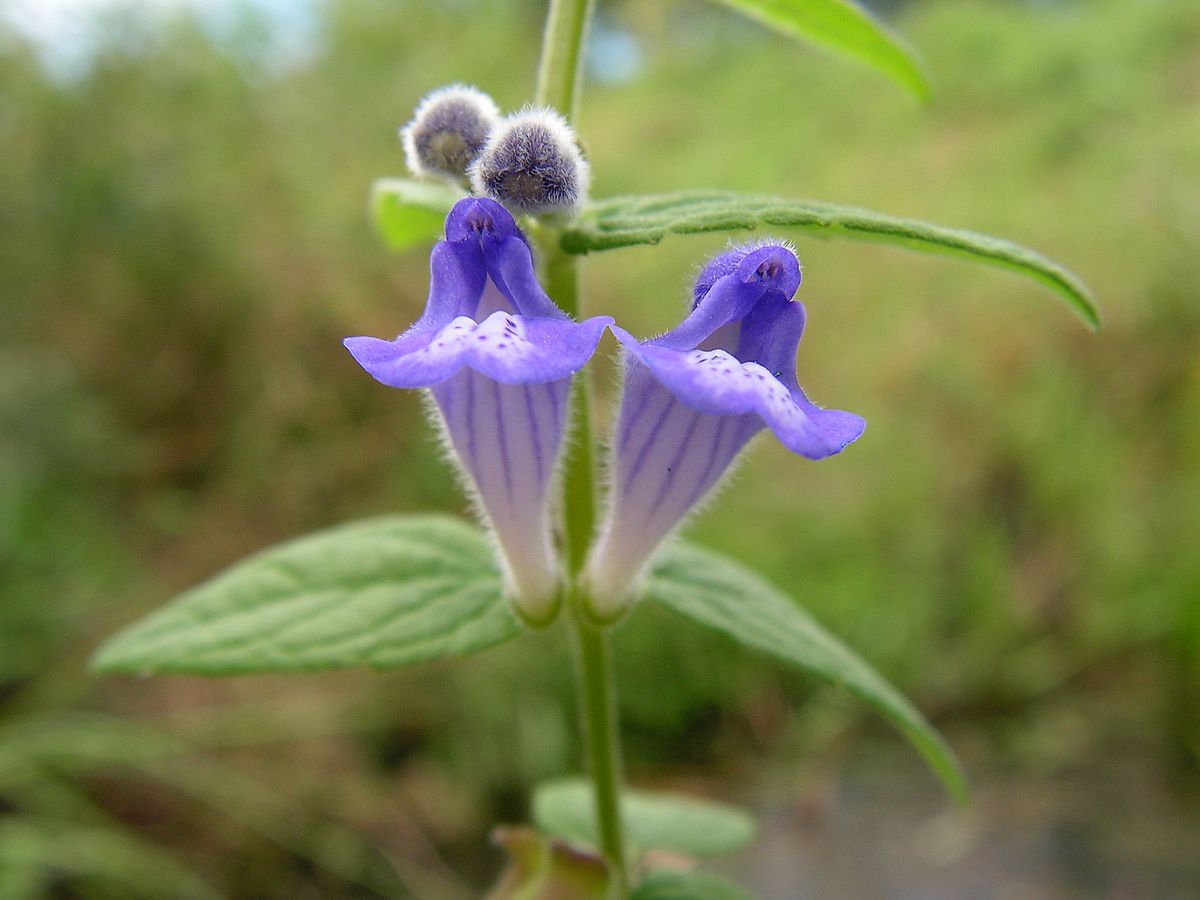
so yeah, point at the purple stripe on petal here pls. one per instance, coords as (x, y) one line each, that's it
(535, 433)
(712, 466)
(505, 457)
(556, 404)
(653, 465)
(673, 466)
(471, 419)
(637, 400)
(648, 428)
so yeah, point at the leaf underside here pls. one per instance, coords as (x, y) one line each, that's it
(629, 221)
(381, 593)
(653, 821)
(723, 595)
(409, 212)
(843, 27)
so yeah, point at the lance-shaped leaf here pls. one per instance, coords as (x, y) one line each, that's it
(844, 27)
(409, 212)
(382, 593)
(723, 595)
(628, 221)
(653, 821)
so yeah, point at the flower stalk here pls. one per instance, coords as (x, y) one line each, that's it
(559, 75)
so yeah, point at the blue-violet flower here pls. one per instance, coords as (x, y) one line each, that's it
(694, 397)
(498, 356)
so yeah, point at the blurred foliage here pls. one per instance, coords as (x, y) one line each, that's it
(184, 241)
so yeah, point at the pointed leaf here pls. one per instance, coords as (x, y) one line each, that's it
(654, 821)
(723, 595)
(686, 886)
(383, 593)
(844, 27)
(409, 212)
(627, 221)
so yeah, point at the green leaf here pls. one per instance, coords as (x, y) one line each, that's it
(627, 221)
(723, 595)
(844, 27)
(409, 212)
(383, 593)
(686, 886)
(653, 821)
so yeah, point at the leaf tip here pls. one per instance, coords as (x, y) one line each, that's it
(957, 785)
(920, 80)
(1083, 301)
(920, 85)
(107, 660)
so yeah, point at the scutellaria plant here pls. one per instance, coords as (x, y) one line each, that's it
(502, 352)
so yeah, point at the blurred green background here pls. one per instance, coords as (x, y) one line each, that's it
(184, 242)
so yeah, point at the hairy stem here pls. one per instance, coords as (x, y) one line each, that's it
(593, 662)
(562, 54)
(558, 86)
(598, 699)
(579, 470)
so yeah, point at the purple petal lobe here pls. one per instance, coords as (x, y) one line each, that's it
(762, 260)
(473, 217)
(717, 383)
(508, 348)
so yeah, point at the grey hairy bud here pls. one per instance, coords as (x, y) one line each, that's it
(448, 131)
(532, 164)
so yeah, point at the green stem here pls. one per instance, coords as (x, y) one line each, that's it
(561, 272)
(558, 86)
(598, 700)
(597, 691)
(562, 54)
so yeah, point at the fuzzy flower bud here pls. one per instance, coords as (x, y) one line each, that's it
(448, 131)
(532, 164)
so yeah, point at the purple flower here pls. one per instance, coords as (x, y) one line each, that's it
(498, 356)
(692, 400)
